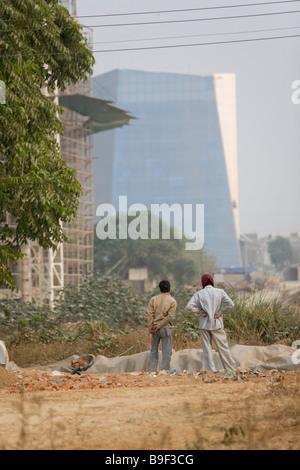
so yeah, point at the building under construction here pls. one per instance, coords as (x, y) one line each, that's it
(41, 274)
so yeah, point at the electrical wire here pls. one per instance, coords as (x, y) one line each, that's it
(159, 47)
(185, 9)
(190, 20)
(254, 15)
(191, 36)
(215, 43)
(155, 12)
(194, 35)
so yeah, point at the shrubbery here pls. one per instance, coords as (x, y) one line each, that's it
(100, 298)
(25, 322)
(104, 309)
(257, 320)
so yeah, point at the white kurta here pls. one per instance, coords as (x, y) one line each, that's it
(210, 300)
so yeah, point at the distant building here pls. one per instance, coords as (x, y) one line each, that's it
(292, 273)
(255, 254)
(181, 149)
(249, 250)
(294, 238)
(138, 280)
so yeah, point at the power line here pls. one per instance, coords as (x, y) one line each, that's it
(198, 44)
(191, 36)
(184, 9)
(195, 35)
(155, 12)
(171, 37)
(254, 15)
(159, 47)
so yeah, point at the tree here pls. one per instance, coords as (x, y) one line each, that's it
(162, 257)
(280, 251)
(41, 47)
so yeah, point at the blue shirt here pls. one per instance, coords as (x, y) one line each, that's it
(210, 300)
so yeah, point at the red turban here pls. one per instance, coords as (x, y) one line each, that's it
(205, 278)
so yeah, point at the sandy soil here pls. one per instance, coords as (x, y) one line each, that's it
(139, 412)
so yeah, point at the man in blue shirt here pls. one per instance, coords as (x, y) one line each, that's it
(208, 302)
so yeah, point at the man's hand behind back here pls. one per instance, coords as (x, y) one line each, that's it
(204, 314)
(153, 330)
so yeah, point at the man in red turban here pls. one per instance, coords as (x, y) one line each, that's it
(208, 302)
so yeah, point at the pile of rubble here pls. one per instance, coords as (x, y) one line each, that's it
(243, 375)
(43, 382)
(58, 381)
(224, 376)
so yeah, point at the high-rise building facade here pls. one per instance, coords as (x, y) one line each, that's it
(182, 148)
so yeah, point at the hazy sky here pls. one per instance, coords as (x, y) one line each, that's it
(268, 121)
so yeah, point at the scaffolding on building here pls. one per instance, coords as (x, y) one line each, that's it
(77, 151)
(71, 5)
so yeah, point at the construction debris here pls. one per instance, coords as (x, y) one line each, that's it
(46, 382)
(82, 364)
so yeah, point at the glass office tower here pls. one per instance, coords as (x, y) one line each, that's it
(182, 148)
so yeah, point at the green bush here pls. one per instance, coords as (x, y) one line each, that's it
(100, 298)
(186, 324)
(104, 307)
(25, 322)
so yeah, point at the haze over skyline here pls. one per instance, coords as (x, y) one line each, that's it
(268, 121)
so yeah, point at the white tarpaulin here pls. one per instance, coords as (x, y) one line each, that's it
(3, 355)
(276, 356)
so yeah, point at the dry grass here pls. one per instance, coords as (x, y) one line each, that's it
(31, 354)
(120, 344)
(239, 416)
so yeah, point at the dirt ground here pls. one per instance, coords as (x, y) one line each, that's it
(142, 412)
